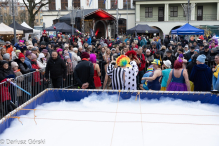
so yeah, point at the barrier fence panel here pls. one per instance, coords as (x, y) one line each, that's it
(32, 83)
(8, 98)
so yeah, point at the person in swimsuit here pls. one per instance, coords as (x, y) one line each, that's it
(97, 72)
(153, 81)
(178, 78)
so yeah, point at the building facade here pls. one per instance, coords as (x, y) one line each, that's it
(169, 14)
(126, 10)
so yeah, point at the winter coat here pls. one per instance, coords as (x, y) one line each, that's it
(23, 67)
(171, 59)
(83, 73)
(150, 58)
(201, 76)
(57, 68)
(75, 59)
(5, 94)
(41, 65)
(28, 62)
(207, 54)
(36, 75)
(5, 72)
(20, 79)
(89, 41)
(19, 47)
(9, 49)
(34, 41)
(45, 39)
(143, 62)
(143, 42)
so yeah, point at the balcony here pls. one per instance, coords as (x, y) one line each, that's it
(155, 18)
(206, 17)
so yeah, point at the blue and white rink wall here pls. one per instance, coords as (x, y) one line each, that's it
(114, 118)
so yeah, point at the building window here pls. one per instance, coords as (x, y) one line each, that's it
(5, 14)
(114, 4)
(5, 8)
(77, 3)
(64, 4)
(36, 20)
(101, 4)
(22, 8)
(52, 5)
(148, 12)
(41, 14)
(126, 3)
(174, 11)
(41, 20)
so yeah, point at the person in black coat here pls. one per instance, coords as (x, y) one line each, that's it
(84, 73)
(44, 38)
(207, 53)
(57, 69)
(23, 66)
(5, 70)
(191, 64)
(170, 57)
(190, 53)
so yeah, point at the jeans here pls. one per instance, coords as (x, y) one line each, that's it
(57, 82)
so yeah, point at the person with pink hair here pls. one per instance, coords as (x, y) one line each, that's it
(97, 72)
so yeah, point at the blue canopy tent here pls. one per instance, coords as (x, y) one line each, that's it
(188, 29)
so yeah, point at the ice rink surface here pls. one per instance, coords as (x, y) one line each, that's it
(90, 122)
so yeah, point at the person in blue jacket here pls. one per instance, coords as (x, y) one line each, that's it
(89, 40)
(201, 75)
(143, 42)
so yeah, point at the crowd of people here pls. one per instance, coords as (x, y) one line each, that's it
(126, 63)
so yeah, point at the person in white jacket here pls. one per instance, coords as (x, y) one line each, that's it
(75, 57)
(41, 62)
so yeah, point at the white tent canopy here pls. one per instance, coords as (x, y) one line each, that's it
(4, 29)
(35, 31)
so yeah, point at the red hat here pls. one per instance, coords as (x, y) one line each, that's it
(21, 55)
(201, 37)
(85, 55)
(131, 52)
(44, 32)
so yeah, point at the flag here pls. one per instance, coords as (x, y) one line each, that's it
(104, 1)
(115, 2)
(90, 3)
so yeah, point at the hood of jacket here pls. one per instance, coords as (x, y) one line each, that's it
(201, 67)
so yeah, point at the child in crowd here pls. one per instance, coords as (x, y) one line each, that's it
(19, 79)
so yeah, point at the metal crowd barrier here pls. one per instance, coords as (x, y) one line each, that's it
(34, 83)
(8, 98)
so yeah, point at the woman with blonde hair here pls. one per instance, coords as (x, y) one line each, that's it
(107, 58)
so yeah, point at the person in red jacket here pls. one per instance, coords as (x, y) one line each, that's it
(36, 75)
(141, 65)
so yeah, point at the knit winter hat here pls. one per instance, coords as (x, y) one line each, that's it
(28, 53)
(21, 55)
(18, 51)
(85, 55)
(41, 55)
(6, 56)
(14, 64)
(201, 58)
(59, 50)
(33, 56)
(45, 51)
